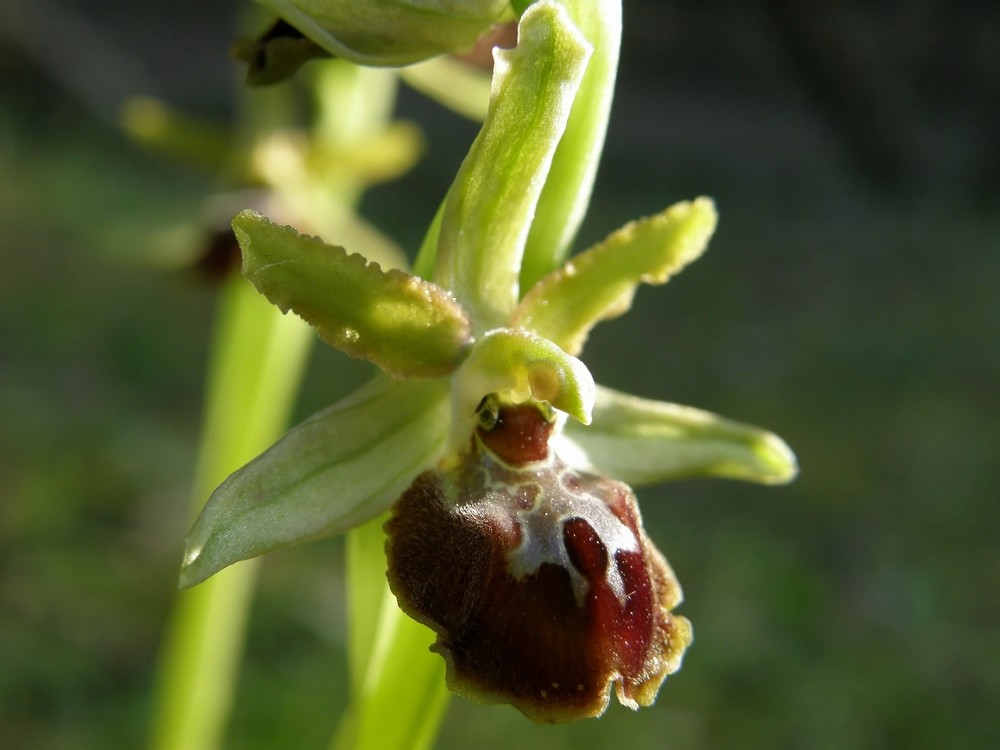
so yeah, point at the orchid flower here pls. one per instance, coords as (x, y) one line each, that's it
(514, 533)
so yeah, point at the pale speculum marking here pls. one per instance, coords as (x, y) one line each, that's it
(542, 524)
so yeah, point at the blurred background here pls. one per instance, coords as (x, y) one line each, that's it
(849, 302)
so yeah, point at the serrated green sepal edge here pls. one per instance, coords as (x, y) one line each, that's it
(339, 468)
(405, 325)
(600, 282)
(641, 442)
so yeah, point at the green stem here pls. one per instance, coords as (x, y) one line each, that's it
(393, 674)
(258, 359)
(257, 363)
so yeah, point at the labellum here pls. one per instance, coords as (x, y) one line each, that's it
(538, 579)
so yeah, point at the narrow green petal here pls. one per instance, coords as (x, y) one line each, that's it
(492, 202)
(337, 469)
(406, 326)
(600, 282)
(641, 442)
(564, 199)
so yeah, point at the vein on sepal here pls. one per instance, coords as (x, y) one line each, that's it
(338, 469)
(641, 442)
(492, 202)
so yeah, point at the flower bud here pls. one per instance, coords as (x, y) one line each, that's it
(390, 32)
(538, 579)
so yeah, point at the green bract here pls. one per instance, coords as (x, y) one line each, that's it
(564, 198)
(390, 32)
(496, 316)
(486, 221)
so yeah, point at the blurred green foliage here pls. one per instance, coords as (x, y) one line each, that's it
(851, 307)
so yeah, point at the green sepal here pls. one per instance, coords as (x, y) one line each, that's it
(563, 202)
(492, 202)
(390, 32)
(407, 326)
(600, 282)
(339, 468)
(521, 366)
(640, 442)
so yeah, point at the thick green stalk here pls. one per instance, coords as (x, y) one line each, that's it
(257, 362)
(392, 672)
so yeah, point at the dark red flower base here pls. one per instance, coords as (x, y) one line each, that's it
(539, 580)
